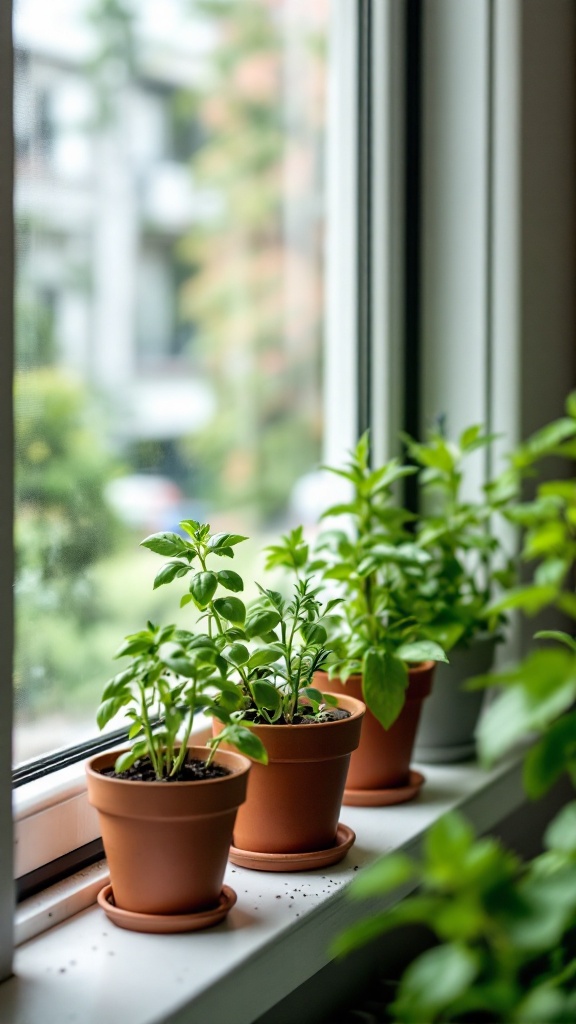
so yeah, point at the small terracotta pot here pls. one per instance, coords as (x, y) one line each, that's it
(294, 801)
(167, 843)
(382, 760)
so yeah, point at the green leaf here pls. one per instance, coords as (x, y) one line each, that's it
(437, 978)
(415, 909)
(571, 404)
(338, 572)
(343, 509)
(224, 540)
(126, 760)
(312, 694)
(266, 695)
(547, 539)
(561, 832)
(537, 692)
(550, 757)
(261, 622)
(437, 455)
(421, 650)
(544, 1004)
(133, 645)
(550, 436)
(469, 436)
(551, 572)
(179, 663)
(444, 632)
(330, 699)
(448, 841)
(237, 655)
(185, 599)
(566, 602)
(531, 599)
(114, 687)
(261, 657)
(203, 587)
(169, 572)
(230, 580)
(557, 634)
(383, 478)
(384, 683)
(380, 878)
(244, 740)
(313, 633)
(232, 609)
(109, 709)
(165, 544)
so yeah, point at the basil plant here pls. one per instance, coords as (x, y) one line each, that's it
(265, 652)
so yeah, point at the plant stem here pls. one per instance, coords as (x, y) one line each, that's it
(156, 761)
(184, 743)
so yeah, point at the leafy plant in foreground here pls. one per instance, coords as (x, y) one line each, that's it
(506, 931)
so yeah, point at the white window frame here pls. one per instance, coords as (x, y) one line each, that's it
(504, 41)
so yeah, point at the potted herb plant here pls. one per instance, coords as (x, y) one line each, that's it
(271, 650)
(167, 809)
(378, 648)
(466, 561)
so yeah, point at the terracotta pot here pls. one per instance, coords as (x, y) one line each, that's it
(449, 719)
(167, 843)
(293, 802)
(382, 760)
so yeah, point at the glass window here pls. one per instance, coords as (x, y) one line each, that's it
(170, 206)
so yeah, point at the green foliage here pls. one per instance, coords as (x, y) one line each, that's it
(466, 557)
(378, 570)
(63, 527)
(268, 651)
(505, 931)
(64, 524)
(175, 673)
(540, 691)
(172, 675)
(502, 927)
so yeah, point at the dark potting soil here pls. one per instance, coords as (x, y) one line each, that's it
(192, 771)
(327, 715)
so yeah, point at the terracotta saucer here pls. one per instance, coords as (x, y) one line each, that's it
(296, 861)
(384, 797)
(166, 923)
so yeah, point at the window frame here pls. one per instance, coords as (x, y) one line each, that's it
(386, 40)
(6, 490)
(51, 813)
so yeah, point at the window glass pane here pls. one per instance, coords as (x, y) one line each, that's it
(170, 210)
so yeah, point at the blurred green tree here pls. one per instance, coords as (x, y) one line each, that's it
(63, 525)
(254, 292)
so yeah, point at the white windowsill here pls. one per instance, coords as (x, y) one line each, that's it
(85, 970)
